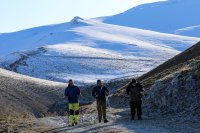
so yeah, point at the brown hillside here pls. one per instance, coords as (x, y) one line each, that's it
(22, 94)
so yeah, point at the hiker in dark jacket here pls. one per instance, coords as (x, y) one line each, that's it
(100, 92)
(73, 92)
(135, 90)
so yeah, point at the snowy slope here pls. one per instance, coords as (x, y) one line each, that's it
(36, 37)
(166, 16)
(87, 50)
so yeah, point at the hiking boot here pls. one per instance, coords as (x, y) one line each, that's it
(99, 121)
(76, 123)
(71, 125)
(139, 118)
(106, 121)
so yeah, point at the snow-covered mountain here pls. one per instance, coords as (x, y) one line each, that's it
(170, 16)
(86, 50)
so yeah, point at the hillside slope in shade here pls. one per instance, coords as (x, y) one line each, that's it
(22, 94)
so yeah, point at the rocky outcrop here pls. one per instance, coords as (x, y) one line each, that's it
(177, 94)
(76, 20)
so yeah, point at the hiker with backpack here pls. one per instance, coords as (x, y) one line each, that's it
(73, 93)
(100, 92)
(135, 92)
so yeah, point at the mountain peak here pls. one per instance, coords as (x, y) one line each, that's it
(76, 20)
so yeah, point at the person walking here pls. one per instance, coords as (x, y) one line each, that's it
(135, 91)
(100, 92)
(73, 93)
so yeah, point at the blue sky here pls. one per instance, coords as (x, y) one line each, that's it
(21, 14)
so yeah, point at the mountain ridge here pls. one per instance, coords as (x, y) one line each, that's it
(165, 16)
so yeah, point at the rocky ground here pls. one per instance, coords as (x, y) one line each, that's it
(119, 121)
(176, 95)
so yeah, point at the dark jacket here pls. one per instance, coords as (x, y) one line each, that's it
(72, 92)
(135, 92)
(99, 92)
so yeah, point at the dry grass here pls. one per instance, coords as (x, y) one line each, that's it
(171, 66)
(25, 95)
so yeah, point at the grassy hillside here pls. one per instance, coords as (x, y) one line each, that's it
(170, 66)
(22, 94)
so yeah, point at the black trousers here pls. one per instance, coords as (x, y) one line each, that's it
(136, 105)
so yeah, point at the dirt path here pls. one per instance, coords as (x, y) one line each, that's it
(118, 122)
